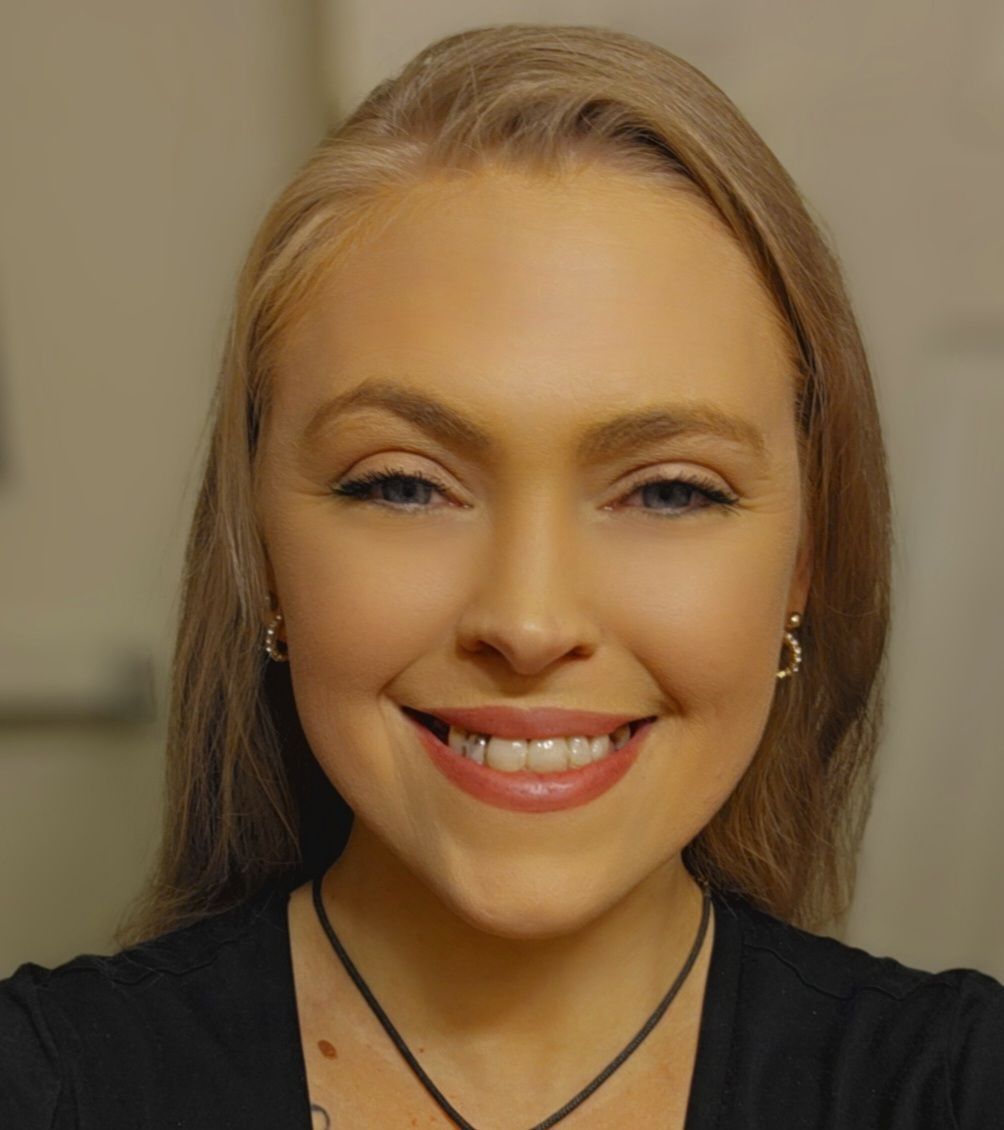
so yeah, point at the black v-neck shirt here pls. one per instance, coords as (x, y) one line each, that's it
(198, 1030)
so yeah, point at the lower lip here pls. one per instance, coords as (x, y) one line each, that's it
(524, 790)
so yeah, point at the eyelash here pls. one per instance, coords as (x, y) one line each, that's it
(358, 490)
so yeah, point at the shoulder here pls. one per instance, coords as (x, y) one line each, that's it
(79, 1035)
(828, 967)
(132, 975)
(860, 1023)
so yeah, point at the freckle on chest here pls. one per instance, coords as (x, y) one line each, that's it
(327, 1049)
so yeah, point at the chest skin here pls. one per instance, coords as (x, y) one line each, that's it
(357, 1078)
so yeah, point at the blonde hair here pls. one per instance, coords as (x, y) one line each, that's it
(245, 799)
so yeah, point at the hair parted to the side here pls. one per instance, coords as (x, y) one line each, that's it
(245, 800)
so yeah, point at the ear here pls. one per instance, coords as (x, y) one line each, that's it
(273, 604)
(798, 593)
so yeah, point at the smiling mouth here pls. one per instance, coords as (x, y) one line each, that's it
(538, 775)
(442, 729)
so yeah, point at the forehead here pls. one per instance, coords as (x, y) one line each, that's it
(550, 298)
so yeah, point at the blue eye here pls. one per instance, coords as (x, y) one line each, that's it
(401, 490)
(415, 490)
(683, 491)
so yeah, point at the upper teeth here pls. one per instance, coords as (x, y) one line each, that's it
(542, 755)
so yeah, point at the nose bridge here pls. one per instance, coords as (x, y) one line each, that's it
(529, 604)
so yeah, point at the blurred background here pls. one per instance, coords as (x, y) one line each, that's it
(140, 144)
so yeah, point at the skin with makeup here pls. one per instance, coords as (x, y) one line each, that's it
(531, 445)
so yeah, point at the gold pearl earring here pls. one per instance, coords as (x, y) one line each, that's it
(794, 621)
(270, 640)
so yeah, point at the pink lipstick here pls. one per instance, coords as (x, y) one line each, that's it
(525, 790)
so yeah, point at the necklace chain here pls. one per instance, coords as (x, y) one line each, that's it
(431, 1087)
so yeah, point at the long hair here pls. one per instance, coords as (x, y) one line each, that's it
(246, 802)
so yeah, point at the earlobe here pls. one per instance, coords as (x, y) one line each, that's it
(272, 617)
(798, 595)
(270, 584)
(274, 605)
(273, 612)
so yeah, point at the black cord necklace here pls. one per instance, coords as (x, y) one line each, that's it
(431, 1087)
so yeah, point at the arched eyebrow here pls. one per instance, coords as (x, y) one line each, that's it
(602, 440)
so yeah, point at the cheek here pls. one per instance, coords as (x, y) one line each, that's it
(709, 642)
(360, 609)
(701, 610)
(703, 614)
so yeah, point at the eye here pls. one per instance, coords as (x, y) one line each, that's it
(402, 490)
(675, 497)
(395, 487)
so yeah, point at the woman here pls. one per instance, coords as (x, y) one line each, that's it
(547, 467)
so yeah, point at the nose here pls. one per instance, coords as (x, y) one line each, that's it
(527, 606)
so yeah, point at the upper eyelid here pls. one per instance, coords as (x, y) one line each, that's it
(700, 480)
(715, 476)
(711, 478)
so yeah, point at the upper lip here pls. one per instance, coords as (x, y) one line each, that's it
(541, 722)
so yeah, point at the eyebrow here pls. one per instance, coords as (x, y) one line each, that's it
(599, 441)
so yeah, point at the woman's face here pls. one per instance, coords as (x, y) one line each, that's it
(536, 571)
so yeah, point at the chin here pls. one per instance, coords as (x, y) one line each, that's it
(526, 907)
(527, 921)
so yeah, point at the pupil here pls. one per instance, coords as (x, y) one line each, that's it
(670, 492)
(408, 490)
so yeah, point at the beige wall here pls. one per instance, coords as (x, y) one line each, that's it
(140, 143)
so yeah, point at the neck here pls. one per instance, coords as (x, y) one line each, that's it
(510, 1015)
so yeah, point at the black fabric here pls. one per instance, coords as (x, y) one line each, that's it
(198, 1030)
